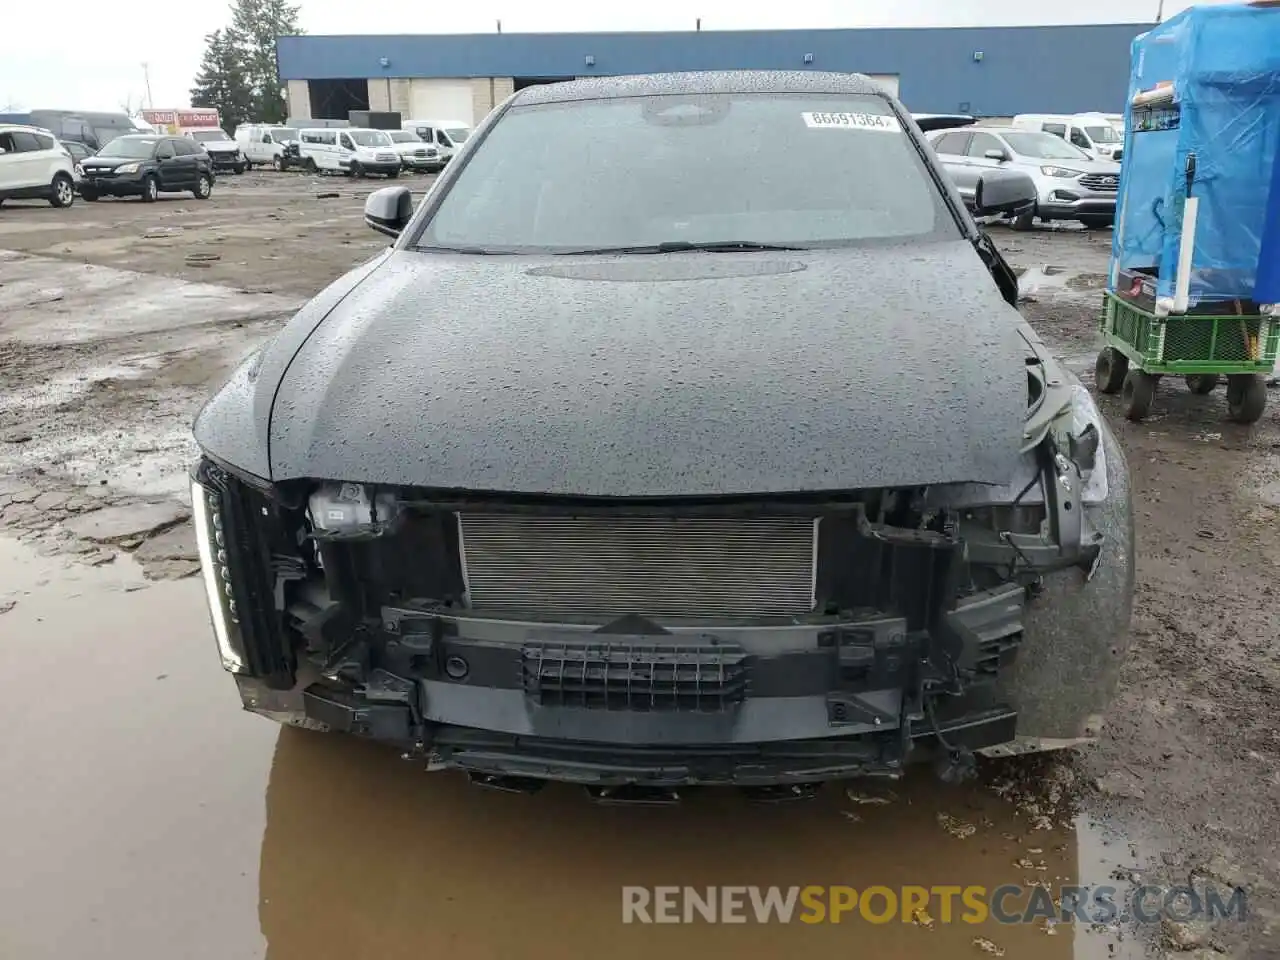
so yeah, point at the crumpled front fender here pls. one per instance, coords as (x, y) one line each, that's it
(1076, 631)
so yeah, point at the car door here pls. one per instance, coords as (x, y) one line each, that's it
(168, 166)
(189, 157)
(346, 149)
(31, 163)
(985, 152)
(950, 148)
(1078, 138)
(10, 170)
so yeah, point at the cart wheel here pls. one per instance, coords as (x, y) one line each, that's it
(1246, 397)
(1138, 392)
(1201, 383)
(1110, 369)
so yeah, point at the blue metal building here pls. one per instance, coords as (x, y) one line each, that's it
(989, 71)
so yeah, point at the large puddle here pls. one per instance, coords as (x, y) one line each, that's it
(145, 816)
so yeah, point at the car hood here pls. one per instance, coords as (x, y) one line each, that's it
(676, 375)
(219, 146)
(97, 162)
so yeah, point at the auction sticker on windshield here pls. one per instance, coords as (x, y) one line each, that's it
(853, 121)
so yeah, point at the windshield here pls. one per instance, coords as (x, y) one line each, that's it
(208, 136)
(782, 169)
(405, 136)
(1103, 134)
(132, 148)
(1043, 146)
(458, 134)
(370, 138)
(106, 134)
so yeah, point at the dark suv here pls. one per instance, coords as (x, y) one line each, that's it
(146, 166)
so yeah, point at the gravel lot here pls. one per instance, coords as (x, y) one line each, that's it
(117, 319)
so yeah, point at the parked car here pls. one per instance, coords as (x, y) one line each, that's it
(223, 151)
(268, 144)
(1070, 184)
(414, 153)
(353, 151)
(92, 128)
(740, 467)
(1002, 193)
(146, 166)
(1094, 133)
(34, 166)
(79, 152)
(447, 135)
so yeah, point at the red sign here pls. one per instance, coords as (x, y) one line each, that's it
(194, 117)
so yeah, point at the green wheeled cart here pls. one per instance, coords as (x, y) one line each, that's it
(1204, 349)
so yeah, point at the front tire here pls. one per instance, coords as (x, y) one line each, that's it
(311, 165)
(88, 196)
(355, 171)
(150, 190)
(63, 191)
(204, 187)
(393, 174)
(277, 164)
(1024, 220)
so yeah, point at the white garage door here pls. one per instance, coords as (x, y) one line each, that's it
(887, 80)
(441, 100)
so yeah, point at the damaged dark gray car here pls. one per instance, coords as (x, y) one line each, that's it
(686, 433)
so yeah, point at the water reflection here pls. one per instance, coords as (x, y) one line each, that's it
(366, 856)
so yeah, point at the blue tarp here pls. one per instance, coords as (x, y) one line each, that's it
(1224, 64)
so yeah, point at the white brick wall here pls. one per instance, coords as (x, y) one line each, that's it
(299, 99)
(379, 93)
(487, 93)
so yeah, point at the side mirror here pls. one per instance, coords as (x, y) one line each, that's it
(1003, 192)
(996, 155)
(388, 210)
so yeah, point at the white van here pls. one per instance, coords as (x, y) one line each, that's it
(1094, 133)
(354, 151)
(447, 135)
(267, 144)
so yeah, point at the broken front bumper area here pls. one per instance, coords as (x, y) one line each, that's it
(746, 705)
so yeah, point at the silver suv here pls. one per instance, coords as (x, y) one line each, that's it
(1070, 185)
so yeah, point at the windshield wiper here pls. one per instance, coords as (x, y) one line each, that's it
(477, 251)
(678, 246)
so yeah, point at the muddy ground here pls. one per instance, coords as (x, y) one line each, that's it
(134, 814)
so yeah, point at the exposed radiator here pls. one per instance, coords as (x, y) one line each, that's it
(729, 567)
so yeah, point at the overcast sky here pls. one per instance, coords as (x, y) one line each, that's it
(92, 59)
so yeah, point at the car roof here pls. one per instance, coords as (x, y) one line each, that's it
(710, 82)
(25, 128)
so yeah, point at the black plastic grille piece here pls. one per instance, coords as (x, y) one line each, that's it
(996, 653)
(246, 518)
(633, 676)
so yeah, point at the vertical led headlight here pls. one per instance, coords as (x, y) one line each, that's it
(211, 543)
